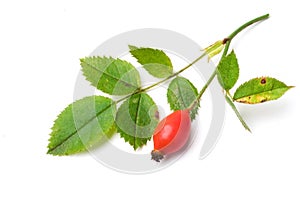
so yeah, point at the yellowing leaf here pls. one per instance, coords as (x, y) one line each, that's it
(259, 90)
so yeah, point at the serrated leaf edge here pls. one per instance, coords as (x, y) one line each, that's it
(103, 71)
(232, 53)
(169, 67)
(172, 106)
(126, 136)
(77, 129)
(236, 99)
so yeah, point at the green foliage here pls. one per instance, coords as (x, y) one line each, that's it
(155, 61)
(92, 120)
(259, 90)
(136, 119)
(82, 125)
(228, 71)
(112, 76)
(182, 94)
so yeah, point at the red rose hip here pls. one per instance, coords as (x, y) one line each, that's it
(171, 134)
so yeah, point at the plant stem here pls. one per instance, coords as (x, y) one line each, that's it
(234, 33)
(227, 42)
(175, 74)
(230, 102)
(163, 80)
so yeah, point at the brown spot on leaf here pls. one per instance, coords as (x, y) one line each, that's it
(242, 101)
(263, 80)
(263, 100)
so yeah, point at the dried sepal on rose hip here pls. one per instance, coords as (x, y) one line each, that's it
(171, 134)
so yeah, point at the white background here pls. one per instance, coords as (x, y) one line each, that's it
(40, 46)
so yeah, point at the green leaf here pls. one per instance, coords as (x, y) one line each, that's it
(259, 90)
(155, 61)
(228, 71)
(181, 94)
(229, 101)
(136, 119)
(82, 125)
(112, 76)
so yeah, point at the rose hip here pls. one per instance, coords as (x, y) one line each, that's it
(171, 134)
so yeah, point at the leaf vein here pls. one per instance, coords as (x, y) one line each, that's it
(181, 101)
(111, 76)
(136, 120)
(77, 130)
